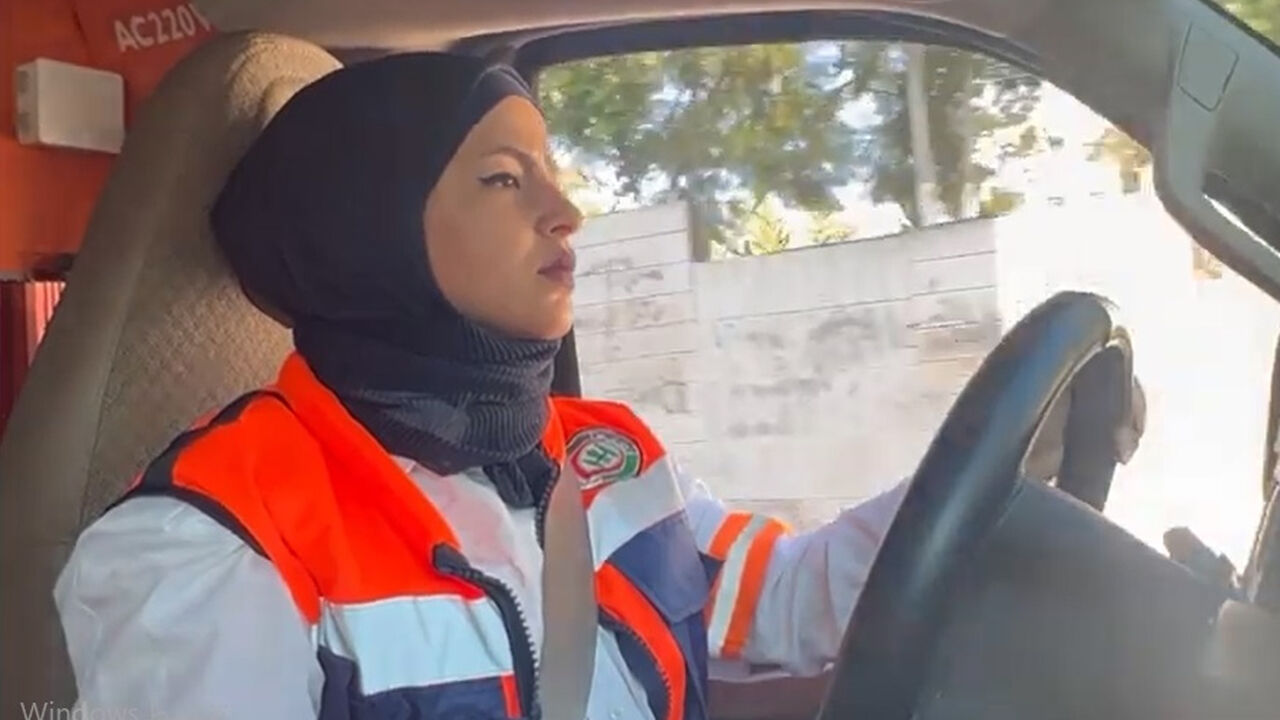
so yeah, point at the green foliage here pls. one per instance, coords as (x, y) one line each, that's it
(970, 96)
(765, 231)
(827, 228)
(720, 127)
(582, 188)
(1261, 15)
(999, 202)
(726, 128)
(1127, 155)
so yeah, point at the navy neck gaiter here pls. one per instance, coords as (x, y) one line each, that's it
(322, 221)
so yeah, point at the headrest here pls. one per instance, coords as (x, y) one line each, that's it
(151, 332)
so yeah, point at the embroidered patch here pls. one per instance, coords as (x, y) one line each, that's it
(601, 456)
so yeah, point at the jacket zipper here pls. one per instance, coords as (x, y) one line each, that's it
(618, 626)
(449, 561)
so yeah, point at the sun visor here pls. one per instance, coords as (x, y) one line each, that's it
(73, 72)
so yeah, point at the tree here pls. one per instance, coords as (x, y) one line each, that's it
(1130, 158)
(722, 128)
(583, 189)
(765, 231)
(1261, 15)
(1000, 202)
(727, 128)
(969, 96)
(924, 169)
(826, 228)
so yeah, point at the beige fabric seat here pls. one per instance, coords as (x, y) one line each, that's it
(152, 331)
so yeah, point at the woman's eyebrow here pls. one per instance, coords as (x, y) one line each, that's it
(525, 157)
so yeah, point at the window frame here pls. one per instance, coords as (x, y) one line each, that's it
(531, 51)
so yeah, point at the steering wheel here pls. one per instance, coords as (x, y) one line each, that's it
(967, 479)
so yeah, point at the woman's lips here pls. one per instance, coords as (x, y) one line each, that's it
(560, 270)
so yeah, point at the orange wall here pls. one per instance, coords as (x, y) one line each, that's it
(46, 195)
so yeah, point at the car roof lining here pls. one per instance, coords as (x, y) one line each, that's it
(409, 25)
(537, 49)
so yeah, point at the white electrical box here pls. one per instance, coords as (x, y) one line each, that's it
(69, 106)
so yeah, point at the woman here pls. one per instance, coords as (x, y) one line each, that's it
(362, 539)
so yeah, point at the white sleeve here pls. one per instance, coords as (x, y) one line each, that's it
(813, 582)
(168, 614)
(794, 612)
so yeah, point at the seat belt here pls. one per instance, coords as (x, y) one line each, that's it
(570, 615)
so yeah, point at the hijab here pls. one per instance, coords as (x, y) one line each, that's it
(322, 222)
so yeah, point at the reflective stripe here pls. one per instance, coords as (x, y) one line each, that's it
(730, 529)
(511, 696)
(624, 603)
(625, 508)
(747, 544)
(408, 642)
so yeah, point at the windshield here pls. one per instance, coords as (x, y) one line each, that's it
(1263, 16)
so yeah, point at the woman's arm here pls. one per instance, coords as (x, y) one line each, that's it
(168, 614)
(784, 599)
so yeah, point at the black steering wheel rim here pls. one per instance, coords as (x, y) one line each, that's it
(963, 485)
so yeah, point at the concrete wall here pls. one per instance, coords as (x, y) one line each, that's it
(795, 383)
(800, 382)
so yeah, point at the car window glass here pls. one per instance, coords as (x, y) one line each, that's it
(798, 253)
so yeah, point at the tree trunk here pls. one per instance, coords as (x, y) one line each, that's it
(925, 169)
(963, 125)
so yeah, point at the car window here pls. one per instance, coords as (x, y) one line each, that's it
(797, 254)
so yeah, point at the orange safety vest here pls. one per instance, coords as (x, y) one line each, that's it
(403, 625)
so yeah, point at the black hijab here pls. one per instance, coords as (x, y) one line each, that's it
(322, 223)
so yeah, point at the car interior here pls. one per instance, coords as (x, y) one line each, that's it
(993, 596)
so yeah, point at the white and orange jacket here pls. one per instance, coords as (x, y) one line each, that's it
(275, 562)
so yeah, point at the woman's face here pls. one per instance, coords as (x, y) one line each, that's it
(498, 227)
